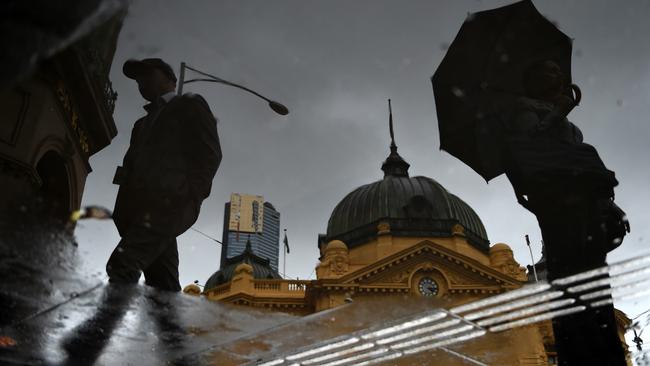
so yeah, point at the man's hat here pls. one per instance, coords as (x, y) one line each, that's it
(133, 68)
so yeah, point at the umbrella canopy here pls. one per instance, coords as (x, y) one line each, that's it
(482, 74)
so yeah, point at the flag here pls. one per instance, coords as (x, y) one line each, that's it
(286, 242)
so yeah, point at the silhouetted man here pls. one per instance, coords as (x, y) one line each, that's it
(166, 174)
(566, 185)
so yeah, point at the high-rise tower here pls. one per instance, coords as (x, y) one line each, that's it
(250, 216)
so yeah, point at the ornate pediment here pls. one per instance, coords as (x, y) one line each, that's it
(460, 272)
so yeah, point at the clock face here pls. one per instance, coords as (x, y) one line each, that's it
(428, 287)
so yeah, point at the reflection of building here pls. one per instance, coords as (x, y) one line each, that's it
(54, 120)
(400, 236)
(248, 217)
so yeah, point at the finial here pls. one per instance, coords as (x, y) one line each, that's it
(248, 243)
(394, 164)
(248, 251)
(390, 125)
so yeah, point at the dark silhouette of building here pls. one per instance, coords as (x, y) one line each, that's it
(56, 114)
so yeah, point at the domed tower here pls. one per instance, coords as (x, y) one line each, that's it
(250, 280)
(247, 262)
(408, 235)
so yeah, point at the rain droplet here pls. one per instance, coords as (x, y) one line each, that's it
(458, 92)
(504, 57)
(619, 102)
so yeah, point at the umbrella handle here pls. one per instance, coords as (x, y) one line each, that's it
(576, 93)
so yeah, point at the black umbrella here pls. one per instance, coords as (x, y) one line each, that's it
(482, 74)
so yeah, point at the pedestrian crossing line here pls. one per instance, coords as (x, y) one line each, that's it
(613, 269)
(532, 300)
(437, 315)
(510, 295)
(419, 331)
(613, 280)
(525, 312)
(439, 328)
(537, 318)
(609, 291)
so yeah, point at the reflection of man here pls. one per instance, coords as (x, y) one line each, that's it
(167, 173)
(566, 185)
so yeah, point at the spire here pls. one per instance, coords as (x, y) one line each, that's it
(249, 247)
(394, 164)
(248, 251)
(393, 147)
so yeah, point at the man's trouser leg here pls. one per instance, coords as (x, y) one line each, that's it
(140, 250)
(574, 244)
(162, 273)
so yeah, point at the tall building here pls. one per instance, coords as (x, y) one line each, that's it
(248, 216)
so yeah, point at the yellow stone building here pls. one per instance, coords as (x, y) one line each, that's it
(397, 236)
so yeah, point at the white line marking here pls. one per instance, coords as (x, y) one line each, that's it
(514, 305)
(538, 318)
(528, 311)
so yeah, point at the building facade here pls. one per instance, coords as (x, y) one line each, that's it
(250, 218)
(396, 239)
(54, 118)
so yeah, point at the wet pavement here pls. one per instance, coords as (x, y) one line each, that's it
(53, 313)
(56, 313)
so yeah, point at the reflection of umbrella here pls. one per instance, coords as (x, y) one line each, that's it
(482, 73)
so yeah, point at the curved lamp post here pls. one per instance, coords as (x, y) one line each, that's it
(277, 107)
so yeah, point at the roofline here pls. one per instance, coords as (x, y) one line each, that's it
(432, 227)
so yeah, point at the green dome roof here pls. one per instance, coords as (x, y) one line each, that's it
(417, 206)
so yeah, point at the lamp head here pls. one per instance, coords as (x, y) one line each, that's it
(278, 108)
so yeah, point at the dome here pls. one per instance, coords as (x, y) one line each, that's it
(261, 268)
(412, 206)
(192, 289)
(336, 244)
(499, 247)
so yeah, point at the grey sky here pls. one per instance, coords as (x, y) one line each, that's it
(334, 64)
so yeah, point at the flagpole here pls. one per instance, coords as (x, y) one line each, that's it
(284, 260)
(531, 258)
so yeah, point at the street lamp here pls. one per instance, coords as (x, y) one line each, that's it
(277, 107)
